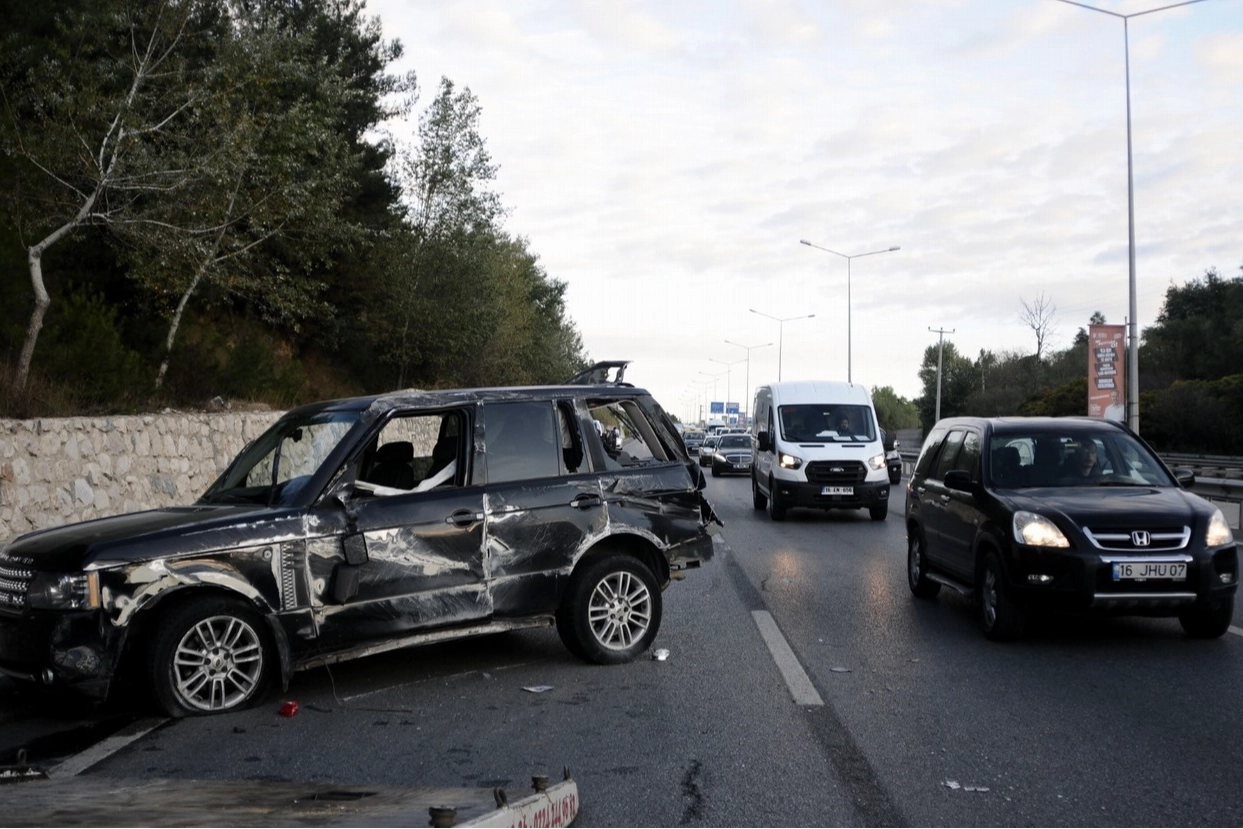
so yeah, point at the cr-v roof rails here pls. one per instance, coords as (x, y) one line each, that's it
(598, 375)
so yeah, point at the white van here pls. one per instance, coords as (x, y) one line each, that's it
(817, 444)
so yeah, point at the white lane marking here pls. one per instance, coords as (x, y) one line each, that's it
(796, 678)
(1236, 631)
(105, 748)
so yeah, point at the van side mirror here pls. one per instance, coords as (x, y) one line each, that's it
(764, 440)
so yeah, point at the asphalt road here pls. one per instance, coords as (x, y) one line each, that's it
(922, 721)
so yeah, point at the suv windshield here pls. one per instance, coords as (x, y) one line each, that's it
(1072, 458)
(275, 467)
(821, 423)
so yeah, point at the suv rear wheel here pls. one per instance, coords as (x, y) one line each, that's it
(917, 568)
(1001, 618)
(611, 611)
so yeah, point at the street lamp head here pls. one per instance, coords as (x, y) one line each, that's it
(895, 247)
(803, 242)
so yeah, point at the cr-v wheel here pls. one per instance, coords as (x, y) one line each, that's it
(1209, 621)
(917, 568)
(209, 657)
(611, 611)
(1001, 618)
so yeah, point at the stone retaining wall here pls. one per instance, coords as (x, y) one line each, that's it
(57, 470)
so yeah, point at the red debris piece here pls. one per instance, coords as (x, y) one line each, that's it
(289, 709)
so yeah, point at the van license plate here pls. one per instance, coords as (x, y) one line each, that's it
(837, 490)
(1175, 571)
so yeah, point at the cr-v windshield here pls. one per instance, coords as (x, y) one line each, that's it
(824, 423)
(1072, 458)
(274, 468)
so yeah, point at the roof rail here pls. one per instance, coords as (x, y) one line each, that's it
(598, 374)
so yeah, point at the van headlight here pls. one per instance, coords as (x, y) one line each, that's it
(789, 461)
(1218, 530)
(1037, 531)
(64, 591)
(877, 461)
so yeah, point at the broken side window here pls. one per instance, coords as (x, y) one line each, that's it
(415, 453)
(628, 437)
(523, 441)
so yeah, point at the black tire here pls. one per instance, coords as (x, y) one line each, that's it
(917, 568)
(210, 657)
(776, 510)
(611, 611)
(758, 499)
(1208, 622)
(879, 511)
(1001, 618)
(716, 471)
(895, 478)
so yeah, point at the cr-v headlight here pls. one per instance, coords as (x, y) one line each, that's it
(1218, 530)
(64, 591)
(1037, 531)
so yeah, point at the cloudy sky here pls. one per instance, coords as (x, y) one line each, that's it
(665, 157)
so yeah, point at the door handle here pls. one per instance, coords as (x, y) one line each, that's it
(464, 518)
(586, 501)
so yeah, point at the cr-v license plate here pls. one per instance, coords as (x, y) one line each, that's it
(1175, 571)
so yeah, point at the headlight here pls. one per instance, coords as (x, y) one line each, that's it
(877, 461)
(1218, 530)
(1037, 531)
(790, 461)
(64, 591)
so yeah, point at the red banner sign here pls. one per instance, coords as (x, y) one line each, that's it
(1107, 371)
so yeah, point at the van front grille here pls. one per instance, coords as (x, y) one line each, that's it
(837, 473)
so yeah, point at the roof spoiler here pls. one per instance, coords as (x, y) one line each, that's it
(598, 374)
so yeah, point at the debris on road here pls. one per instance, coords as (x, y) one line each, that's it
(840, 670)
(289, 709)
(537, 689)
(660, 654)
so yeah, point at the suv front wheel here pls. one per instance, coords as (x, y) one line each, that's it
(1000, 615)
(1208, 622)
(611, 611)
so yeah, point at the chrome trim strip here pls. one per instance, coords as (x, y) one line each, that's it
(1143, 597)
(1164, 558)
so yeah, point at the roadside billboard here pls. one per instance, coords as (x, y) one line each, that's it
(1107, 371)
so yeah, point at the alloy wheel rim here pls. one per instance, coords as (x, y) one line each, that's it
(620, 610)
(217, 664)
(915, 563)
(990, 597)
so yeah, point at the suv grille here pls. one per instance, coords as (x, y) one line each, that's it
(836, 472)
(1139, 539)
(16, 573)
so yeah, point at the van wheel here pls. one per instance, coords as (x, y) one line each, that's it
(758, 499)
(776, 511)
(1208, 622)
(1001, 618)
(210, 657)
(879, 511)
(611, 611)
(917, 568)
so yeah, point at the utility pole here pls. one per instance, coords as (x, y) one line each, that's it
(940, 332)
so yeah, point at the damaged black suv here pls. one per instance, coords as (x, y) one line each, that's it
(357, 526)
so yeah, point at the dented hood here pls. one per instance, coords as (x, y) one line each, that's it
(138, 536)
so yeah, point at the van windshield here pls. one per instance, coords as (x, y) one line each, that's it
(824, 423)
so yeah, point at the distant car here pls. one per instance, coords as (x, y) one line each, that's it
(707, 448)
(893, 460)
(732, 455)
(1072, 513)
(693, 440)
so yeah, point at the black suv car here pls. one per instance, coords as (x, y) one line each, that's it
(1071, 513)
(357, 526)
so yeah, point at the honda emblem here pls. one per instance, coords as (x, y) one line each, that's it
(1141, 538)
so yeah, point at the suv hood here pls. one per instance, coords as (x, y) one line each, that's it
(152, 534)
(1114, 506)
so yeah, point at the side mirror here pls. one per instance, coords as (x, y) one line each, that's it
(959, 479)
(890, 442)
(765, 441)
(1185, 477)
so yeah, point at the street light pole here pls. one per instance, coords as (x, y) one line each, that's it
(1132, 351)
(747, 348)
(848, 258)
(729, 368)
(780, 332)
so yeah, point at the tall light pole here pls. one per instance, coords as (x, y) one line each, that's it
(747, 394)
(940, 332)
(716, 378)
(781, 332)
(1132, 351)
(729, 370)
(848, 258)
